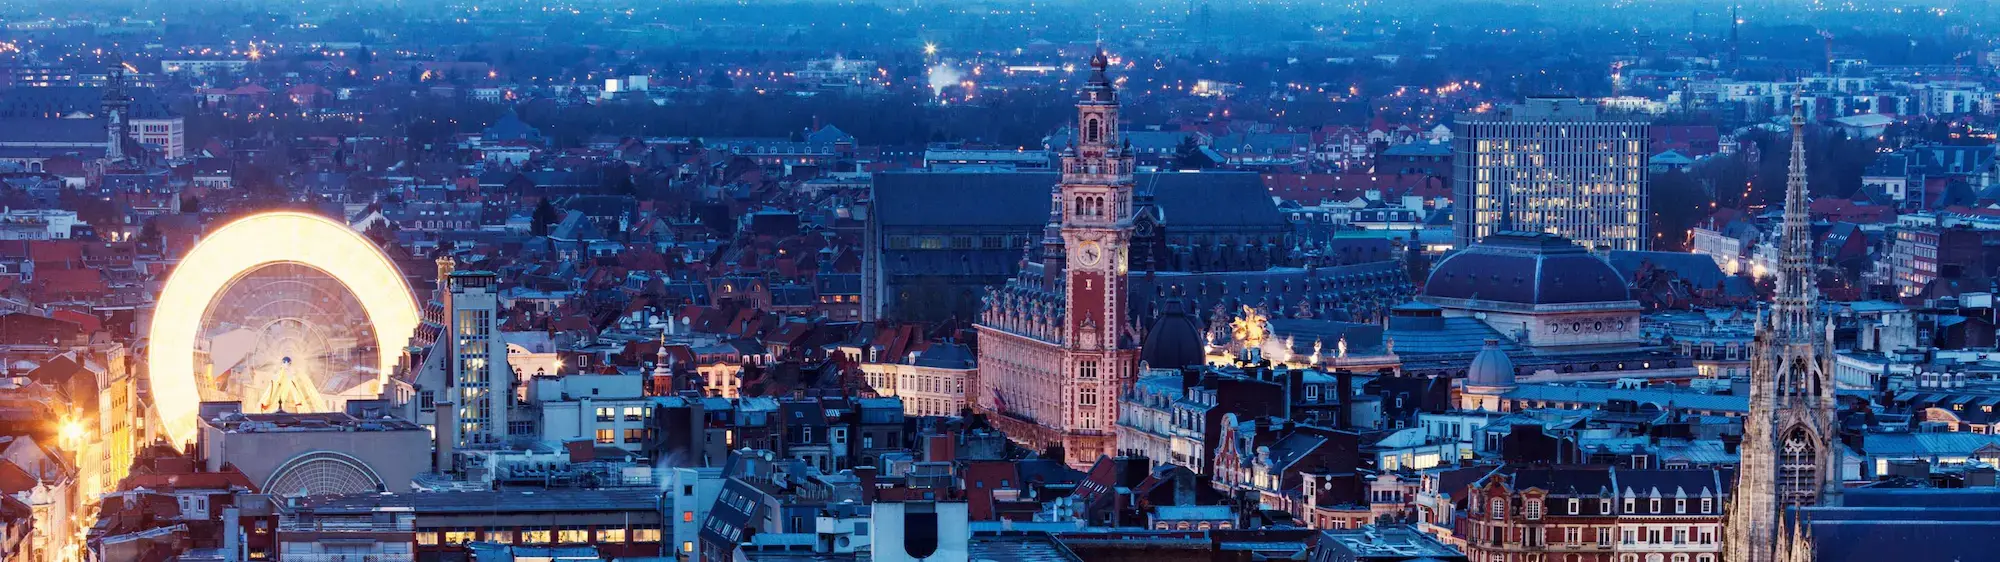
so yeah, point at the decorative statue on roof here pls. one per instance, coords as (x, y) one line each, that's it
(1250, 329)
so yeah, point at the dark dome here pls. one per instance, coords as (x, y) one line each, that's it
(1526, 268)
(1173, 341)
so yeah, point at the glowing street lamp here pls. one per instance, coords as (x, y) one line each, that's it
(72, 432)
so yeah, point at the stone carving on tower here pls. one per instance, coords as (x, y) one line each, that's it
(1057, 347)
(1096, 230)
(116, 104)
(1789, 457)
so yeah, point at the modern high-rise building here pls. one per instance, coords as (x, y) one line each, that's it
(1550, 165)
(465, 370)
(482, 383)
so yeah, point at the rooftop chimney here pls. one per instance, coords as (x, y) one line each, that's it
(445, 437)
(1343, 381)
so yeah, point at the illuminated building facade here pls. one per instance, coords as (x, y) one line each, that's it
(1551, 165)
(1595, 514)
(1056, 350)
(476, 374)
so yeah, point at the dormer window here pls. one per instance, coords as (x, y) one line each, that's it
(1656, 505)
(1575, 505)
(1680, 505)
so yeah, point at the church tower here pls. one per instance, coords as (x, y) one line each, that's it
(116, 105)
(1789, 457)
(1095, 224)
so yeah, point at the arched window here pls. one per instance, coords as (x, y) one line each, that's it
(1798, 470)
(1095, 132)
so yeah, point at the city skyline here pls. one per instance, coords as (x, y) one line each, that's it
(896, 280)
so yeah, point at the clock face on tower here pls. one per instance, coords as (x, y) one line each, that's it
(1090, 253)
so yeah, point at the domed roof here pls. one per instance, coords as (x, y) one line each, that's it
(1173, 341)
(1490, 368)
(1527, 268)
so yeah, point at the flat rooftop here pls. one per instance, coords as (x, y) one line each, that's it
(535, 501)
(283, 422)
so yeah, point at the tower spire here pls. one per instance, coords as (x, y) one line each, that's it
(1797, 294)
(1790, 456)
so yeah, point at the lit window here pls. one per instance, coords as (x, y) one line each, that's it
(610, 536)
(573, 535)
(535, 536)
(645, 535)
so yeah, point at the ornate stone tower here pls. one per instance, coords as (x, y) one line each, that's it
(116, 105)
(1054, 350)
(1789, 456)
(1095, 202)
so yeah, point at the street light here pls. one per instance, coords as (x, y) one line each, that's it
(72, 432)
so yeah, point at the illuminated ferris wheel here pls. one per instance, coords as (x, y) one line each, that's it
(278, 311)
(287, 337)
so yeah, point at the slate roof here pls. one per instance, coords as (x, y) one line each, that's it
(1419, 149)
(1210, 199)
(56, 101)
(1362, 339)
(510, 127)
(959, 262)
(1908, 524)
(1565, 481)
(24, 130)
(1927, 444)
(1529, 269)
(1697, 269)
(1022, 199)
(946, 356)
(1658, 397)
(964, 199)
(1462, 335)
